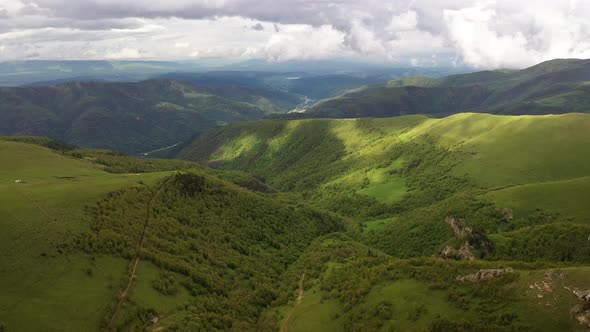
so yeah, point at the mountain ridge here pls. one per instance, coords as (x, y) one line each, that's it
(527, 91)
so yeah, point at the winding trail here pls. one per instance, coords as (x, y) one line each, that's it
(123, 296)
(285, 322)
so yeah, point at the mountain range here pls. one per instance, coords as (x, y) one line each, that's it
(453, 203)
(557, 86)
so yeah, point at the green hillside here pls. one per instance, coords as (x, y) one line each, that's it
(485, 191)
(71, 234)
(341, 285)
(557, 86)
(41, 288)
(419, 170)
(472, 222)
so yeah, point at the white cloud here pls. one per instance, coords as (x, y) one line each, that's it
(124, 53)
(487, 34)
(500, 34)
(404, 21)
(295, 42)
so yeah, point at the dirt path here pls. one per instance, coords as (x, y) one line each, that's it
(285, 323)
(138, 254)
(300, 291)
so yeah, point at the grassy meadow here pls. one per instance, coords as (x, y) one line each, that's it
(41, 288)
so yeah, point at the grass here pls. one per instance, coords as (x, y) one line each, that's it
(376, 225)
(494, 151)
(43, 290)
(383, 185)
(567, 197)
(414, 304)
(56, 293)
(144, 294)
(550, 306)
(315, 313)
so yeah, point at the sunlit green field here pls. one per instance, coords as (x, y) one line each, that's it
(41, 289)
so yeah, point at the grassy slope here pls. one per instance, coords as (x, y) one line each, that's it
(515, 150)
(60, 271)
(41, 289)
(495, 151)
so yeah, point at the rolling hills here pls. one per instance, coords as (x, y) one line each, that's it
(470, 222)
(509, 191)
(73, 233)
(557, 86)
(309, 225)
(415, 171)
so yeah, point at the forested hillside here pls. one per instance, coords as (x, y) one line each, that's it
(498, 200)
(131, 117)
(499, 175)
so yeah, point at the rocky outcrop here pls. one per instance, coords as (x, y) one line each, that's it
(581, 311)
(458, 226)
(484, 274)
(463, 253)
(583, 295)
(582, 315)
(460, 231)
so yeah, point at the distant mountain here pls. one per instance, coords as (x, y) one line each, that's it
(147, 116)
(45, 72)
(309, 79)
(557, 86)
(17, 73)
(130, 117)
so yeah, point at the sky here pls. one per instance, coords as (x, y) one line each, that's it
(477, 33)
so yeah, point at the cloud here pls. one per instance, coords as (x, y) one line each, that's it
(257, 27)
(402, 22)
(124, 53)
(486, 34)
(504, 34)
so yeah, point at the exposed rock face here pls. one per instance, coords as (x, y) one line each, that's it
(484, 274)
(583, 295)
(555, 275)
(581, 312)
(584, 319)
(460, 230)
(458, 226)
(463, 253)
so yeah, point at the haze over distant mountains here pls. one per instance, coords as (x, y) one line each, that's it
(107, 105)
(141, 116)
(557, 86)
